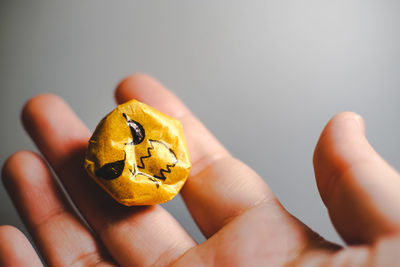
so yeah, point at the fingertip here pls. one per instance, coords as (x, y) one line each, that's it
(346, 118)
(342, 120)
(48, 120)
(134, 84)
(148, 90)
(8, 232)
(36, 104)
(341, 142)
(10, 165)
(15, 249)
(16, 165)
(38, 113)
(349, 116)
(355, 183)
(336, 129)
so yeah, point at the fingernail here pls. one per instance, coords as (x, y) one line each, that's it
(359, 121)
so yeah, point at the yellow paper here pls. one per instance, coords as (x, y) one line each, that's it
(138, 155)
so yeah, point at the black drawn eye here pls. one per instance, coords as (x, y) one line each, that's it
(111, 170)
(137, 130)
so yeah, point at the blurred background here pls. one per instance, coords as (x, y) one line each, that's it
(264, 76)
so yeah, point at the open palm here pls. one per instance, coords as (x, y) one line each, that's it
(244, 223)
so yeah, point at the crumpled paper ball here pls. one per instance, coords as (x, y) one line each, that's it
(138, 155)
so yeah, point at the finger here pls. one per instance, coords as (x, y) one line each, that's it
(203, 147)
(15, 249)
(61, 237)
(132, 235)
(219, 187)
(358, 187)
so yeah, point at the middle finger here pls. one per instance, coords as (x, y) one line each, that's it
(220, 187)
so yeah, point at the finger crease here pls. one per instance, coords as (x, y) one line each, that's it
(207, 160)
(91, 258)
(51, 216)
(263, 201)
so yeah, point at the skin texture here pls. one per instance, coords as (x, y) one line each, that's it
(244, 223)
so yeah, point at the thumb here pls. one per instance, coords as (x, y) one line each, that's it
(360, 190)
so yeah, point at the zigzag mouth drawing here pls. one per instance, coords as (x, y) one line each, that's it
(113, 170)
(155, 178)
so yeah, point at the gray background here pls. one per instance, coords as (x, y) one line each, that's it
(264, 76)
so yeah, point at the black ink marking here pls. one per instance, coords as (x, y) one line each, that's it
(137, 130)
(162, 171)
(111, 170)
(156, 182)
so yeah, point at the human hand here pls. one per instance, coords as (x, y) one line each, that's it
(244, 223)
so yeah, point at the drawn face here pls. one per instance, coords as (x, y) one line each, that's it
(114, 169)
(138, 155)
